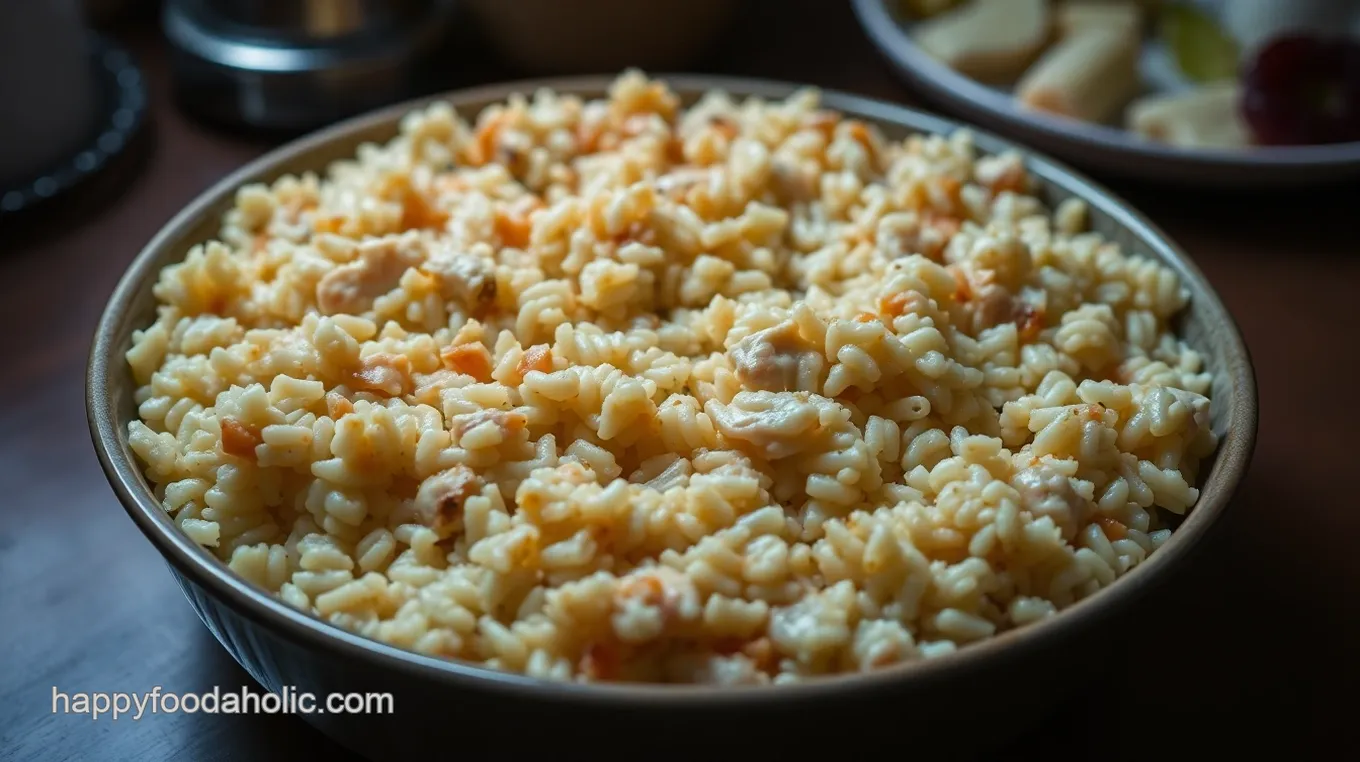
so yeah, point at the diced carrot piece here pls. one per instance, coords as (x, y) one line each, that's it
(822, 121)
(724, 126)
(487, 136)
(1012, 179)
(513, 231)
(238, 439)
(328, 223)
(469, 359)
(944, 224)
(1030, 321)
(513, 224)
(600, 662)
(588, 136)
(860, 133)
(1114, 530)
(762, 652)
(538, 357)
(418, 214)
(675, 150)
(893, 305)
(337, 406)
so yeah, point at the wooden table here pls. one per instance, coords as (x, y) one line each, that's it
(1251, 646)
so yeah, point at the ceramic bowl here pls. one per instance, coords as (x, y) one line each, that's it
(955, 705)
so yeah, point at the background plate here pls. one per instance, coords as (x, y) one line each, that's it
(1096, 147)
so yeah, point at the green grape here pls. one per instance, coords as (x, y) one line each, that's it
(1203, 51)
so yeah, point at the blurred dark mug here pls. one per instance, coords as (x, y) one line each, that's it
(48, 89)
(312, 20)
(295, 64)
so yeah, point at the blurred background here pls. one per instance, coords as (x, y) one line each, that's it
(115, 114)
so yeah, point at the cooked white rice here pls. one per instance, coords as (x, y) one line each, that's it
(614, 391)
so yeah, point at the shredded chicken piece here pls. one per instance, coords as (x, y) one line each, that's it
(729, 669)
(992, 305)
(903, 234)
(351, 288)
(777, 425)
(1046, 492)
(675, 183)
(428, 386)
(509, 421)
(821, 120)
(439, 501)
(637, 231)
(1198, 405)
(649, 601)
(467, 279)
(778, 359)
(796, 182)
(986, 302)
(1005, 172)
(385, 373)
(675, 475)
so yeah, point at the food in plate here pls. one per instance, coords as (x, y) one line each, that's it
(1202, 51)
(1293, 67)
(1090, 75)
(989, 40)
(1077, 16)
(1208, 117)
(614, 390)
(1327, 110)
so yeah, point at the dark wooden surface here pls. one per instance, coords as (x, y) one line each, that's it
(1254, 645)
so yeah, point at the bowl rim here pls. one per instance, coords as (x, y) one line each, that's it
(965, 93)
(205, 571)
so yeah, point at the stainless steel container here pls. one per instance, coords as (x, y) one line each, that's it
(299, 64)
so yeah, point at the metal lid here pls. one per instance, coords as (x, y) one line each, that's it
(299, 64)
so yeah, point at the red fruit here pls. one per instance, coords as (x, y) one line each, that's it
(1303, 90)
